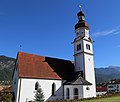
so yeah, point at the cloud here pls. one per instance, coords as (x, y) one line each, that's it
(114, 31)
(118, 46)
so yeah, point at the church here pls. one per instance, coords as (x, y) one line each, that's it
(59, 79)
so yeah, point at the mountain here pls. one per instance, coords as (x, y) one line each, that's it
(102, 74)
(106, 74)
(6, 68)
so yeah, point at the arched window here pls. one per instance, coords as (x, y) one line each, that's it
(87, 46)
(67, 93)
(36, 86)
(78, 47)
(76, 93)
(53, 88)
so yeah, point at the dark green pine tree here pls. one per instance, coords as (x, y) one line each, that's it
(39, 97)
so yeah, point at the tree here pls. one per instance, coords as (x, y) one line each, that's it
(6, 95)
(39, 96)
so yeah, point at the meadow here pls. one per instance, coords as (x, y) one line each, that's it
(107, 99)
(113, 98)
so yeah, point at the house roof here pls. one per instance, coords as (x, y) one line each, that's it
(34, 66)
(114, 81)
(78, 81)
(101, 89)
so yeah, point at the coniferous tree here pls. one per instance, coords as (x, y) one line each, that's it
(39, 96)
(6, 96)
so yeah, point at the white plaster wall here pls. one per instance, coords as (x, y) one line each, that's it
(78, 57)
(109, 89)
(75, 46)
(71, 89)
(119, 87)
(28, 89)
(88, 93)
(89, 73)
(115, 87)
(85, 62)
(84, 30)
(86, 50)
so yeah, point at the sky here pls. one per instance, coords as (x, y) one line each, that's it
(46, 28)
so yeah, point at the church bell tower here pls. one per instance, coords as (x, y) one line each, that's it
(83, 51)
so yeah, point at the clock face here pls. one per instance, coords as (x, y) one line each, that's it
(82, 32)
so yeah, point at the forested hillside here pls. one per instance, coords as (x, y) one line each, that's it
(6, 68)
(102, 74)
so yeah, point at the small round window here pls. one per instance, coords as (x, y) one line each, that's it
(87, 88)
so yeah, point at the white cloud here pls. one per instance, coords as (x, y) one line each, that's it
(114, 31)
(118, 46)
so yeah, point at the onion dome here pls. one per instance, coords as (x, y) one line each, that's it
(81, 13)
(81, 20)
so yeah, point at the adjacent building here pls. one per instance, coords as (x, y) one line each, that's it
(113, 85)
(101, 89)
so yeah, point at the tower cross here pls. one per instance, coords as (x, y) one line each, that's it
(20, 48)
(80, 7)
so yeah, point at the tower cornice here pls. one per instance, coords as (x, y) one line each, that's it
(79, 38)
(84, 53)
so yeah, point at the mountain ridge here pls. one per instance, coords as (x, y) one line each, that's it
(107, 73)
(6, 68)
(102, 74)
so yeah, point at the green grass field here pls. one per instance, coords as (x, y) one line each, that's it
(108, 99)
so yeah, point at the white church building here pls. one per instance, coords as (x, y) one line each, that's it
(59, 79)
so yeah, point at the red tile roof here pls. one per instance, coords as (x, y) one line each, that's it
(114, 81)
(34, 66)
(101, 89)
